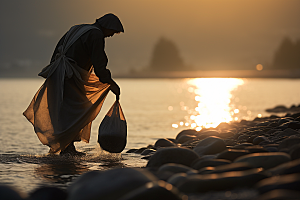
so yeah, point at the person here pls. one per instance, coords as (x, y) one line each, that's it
(76, 84)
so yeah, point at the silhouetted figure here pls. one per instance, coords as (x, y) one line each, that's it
(71, 97)
(166, 56)
(288, 55)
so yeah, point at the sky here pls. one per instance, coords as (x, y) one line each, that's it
(210, 34)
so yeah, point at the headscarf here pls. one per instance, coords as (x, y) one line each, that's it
(110, 21)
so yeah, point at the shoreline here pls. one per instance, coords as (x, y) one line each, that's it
(239, 159)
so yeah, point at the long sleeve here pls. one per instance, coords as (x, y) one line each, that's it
(99, 61)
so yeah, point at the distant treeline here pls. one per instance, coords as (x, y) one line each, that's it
(287, 56)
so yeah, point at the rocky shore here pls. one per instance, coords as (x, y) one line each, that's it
(246, 160)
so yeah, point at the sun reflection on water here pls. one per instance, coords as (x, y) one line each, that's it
(213, 97)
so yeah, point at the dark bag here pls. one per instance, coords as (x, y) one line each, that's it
(112, 135)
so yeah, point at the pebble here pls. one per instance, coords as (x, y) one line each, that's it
(210, 145)
(164, 143)
(198, 164)
(265, 160)
(177, 155)
(232, 154)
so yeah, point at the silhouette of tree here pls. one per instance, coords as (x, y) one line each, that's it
(288, 55)
(166, 56)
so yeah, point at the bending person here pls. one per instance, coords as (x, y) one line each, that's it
(77, 82)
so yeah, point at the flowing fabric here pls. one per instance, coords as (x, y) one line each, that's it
(64, 107)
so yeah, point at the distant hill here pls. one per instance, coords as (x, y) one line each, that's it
(287, 56)
(166, 57)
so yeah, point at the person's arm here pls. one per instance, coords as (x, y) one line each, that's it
(56, 49)
(99, 61)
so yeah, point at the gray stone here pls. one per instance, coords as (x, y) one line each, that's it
(242, 146)
(265, 160)
(232, 154)
(176, 168)
(186, 132)
(222, 181)
(260, 139)
(111, 184)
(177, 179)
(147, 152)
(163, 142)
(210, 145)
(158, 191)
(289, 182)
(209, 163)
(185, 138)
(172, 155)
(48, 193)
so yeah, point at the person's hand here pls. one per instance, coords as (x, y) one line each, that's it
(115, 89)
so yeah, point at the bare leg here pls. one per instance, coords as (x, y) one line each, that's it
(71, 151)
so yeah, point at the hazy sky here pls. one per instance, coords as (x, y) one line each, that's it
(208, 33)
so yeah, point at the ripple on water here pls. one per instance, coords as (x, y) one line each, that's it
(27, 172)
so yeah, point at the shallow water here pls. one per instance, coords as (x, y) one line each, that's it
(154, 108)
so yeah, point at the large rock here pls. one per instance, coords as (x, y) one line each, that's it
(222, 181)
(210, 145)
(177, 155)
(265, 160)
(158, 191)
(111, 184)
(289, 182)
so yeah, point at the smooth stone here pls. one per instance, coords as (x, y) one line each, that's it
(147, 152)
(280, 195)
(243, 138)
(48, 193)
(111, 184)
(158, 191)
(223, 181)
(209, 163)
(210, 145)
(265, 160)
(232, 154)
(283, 120)
(242, 146)
(294, 125)
(163, 142)
(176, 179)
(295, 152)
(287, 132)
(290, 182)
(289, 142)
(185, 138)
(9, 193)
(186, 132)
(176, 168)
(286, 168)
(172, 155)
(140, 150)
(225, 168)
(260, 139)
(131, 151)
(272, 149)
(256, 149)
